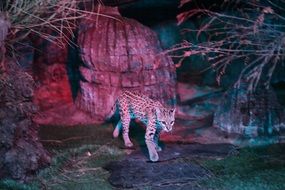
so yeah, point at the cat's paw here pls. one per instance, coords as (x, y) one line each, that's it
(129, 144)
(158, 148)
(116, 133)
(153, 157)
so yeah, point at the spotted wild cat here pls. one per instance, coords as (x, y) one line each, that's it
(152, 113)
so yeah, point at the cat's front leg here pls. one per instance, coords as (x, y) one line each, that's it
(151, 145)
(156, 139)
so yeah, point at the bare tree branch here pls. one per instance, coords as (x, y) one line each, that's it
(251, 32)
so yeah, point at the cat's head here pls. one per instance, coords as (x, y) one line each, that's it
(166, 118)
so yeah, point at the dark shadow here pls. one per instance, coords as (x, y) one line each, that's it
(74, 61)
(279, 88)
(137, 133)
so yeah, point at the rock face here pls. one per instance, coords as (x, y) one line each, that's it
(21, 152)
(250, 114)
(120, 53)
(50, 70)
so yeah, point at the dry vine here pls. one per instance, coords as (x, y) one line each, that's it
(249, 32)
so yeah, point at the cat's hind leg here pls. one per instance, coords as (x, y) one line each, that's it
(126, 119)
(127, 141)
(117, 129)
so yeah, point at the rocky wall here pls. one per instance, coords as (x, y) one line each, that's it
(21, 152)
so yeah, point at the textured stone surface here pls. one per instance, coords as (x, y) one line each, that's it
(120, 53)
(196, 102)
(65, 115)
(50, 72)
(176, 168)
(54, 88)
(250, 114)
(21, 152)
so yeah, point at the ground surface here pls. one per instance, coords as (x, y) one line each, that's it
(86, 157)
(176, 169)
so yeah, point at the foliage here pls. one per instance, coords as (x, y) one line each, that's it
(36, 16)
(52, 20)
(248, 32)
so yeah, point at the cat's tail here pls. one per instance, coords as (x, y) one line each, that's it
(111, 113)
(117, 129)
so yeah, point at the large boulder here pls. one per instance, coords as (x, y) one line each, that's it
(118, 54)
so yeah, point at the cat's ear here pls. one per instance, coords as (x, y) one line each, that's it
(172, 110)
(158, 111)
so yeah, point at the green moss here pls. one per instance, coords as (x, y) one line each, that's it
(253, 168)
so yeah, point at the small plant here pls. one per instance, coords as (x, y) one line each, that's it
(42, 18)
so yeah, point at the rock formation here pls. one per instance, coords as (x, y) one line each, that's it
(119, 54)
(21, 152)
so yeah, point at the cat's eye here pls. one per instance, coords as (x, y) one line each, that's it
(171, 123)
(163, 122)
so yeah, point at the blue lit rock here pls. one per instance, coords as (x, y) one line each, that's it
(250, 114)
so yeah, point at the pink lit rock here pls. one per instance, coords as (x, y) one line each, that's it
(50, 73)
(118, 54)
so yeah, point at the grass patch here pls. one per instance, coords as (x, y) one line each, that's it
(252, 169)
(79, 168)
(79, 153)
